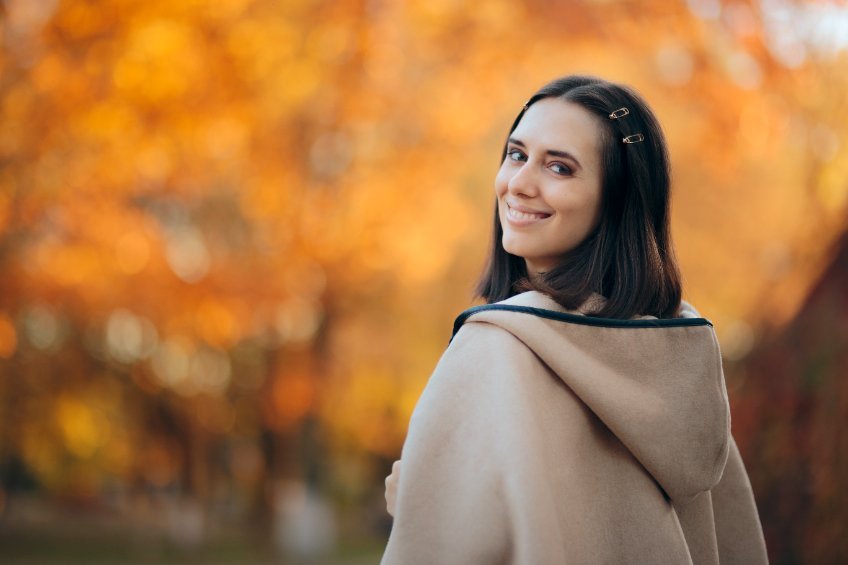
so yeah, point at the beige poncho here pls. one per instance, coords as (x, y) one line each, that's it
(547, 437)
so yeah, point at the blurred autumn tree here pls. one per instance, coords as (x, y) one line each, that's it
(233, 234)
(791, 406)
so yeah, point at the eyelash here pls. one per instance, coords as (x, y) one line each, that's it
(567, 172)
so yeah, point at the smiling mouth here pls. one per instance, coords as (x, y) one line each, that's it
(514, 214)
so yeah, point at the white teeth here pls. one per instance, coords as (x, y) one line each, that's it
(524, 215)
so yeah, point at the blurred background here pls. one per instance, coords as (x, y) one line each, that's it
(234, 236)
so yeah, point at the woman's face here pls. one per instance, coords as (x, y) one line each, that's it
(549, 185)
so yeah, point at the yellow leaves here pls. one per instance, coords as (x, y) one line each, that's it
(154, 158)
(191, 177)
(71, 265)
(217, 323)
(452, 118)
(370, 408)
(419, 252)
(318, 219)
(330, 43)
(225, 10)
(761, 126)
(833, 185)
(226, 138)
(16, 105)
(162, 60)
(267, 198)
(497, 14)
(49, 73)
(268, 55)
(80, 19)
(289, 85)
(415, 257)
(83, 429)
(260, 47)
(108, 120)
(68, 437)
(132, 252)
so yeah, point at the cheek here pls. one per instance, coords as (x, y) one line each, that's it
(501, 181)
(574, 215)
(581, 213)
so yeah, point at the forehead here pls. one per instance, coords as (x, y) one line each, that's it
(552, 123)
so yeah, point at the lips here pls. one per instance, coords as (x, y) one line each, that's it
(522, 215)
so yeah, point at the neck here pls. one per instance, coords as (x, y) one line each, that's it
(534, 272)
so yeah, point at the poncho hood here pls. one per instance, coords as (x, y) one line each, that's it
(656, 384)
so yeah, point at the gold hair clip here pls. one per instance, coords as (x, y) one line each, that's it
(635, 138)
(619, 113)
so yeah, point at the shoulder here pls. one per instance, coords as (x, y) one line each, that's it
(480, 347)
(476, 374)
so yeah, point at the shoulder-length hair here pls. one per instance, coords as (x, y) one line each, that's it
(628, 258)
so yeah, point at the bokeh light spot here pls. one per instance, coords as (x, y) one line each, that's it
(187, 254)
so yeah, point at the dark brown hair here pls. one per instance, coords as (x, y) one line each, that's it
(628, 258)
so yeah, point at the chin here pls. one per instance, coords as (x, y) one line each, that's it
(515, 248)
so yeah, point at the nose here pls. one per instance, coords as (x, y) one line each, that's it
(524, 181)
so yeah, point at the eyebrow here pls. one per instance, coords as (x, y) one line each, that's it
(551, 152)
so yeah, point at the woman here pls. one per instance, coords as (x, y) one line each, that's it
(581, 415)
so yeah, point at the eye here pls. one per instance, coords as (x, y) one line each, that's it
(560, 169)
(516, 155)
